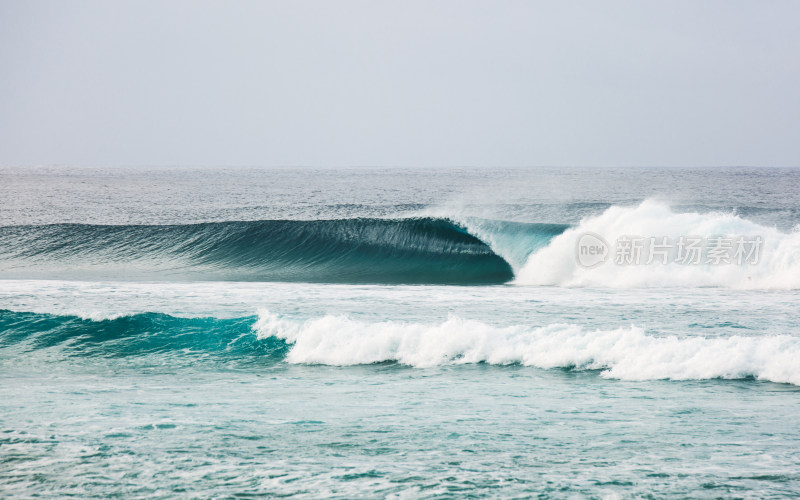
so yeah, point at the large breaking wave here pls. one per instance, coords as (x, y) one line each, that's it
(423, 250)
(627, 353)
(415, 250)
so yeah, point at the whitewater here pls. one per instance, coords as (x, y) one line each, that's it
(397, 333)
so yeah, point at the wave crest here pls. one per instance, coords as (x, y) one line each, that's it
(627, 353)
(623, 353)
(423, 250)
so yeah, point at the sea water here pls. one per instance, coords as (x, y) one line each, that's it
(240, 332)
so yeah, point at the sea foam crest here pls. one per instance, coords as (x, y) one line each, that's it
(623, 353)
(778, 265)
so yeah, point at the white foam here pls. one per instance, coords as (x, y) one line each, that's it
(778, 266)
(99, 315)
(623, 353)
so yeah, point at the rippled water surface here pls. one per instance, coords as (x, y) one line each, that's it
(384, 333)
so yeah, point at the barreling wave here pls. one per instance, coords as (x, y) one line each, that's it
(623, 353)
(424, 250)
(418, 250)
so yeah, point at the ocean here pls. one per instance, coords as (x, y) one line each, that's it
(399, 333)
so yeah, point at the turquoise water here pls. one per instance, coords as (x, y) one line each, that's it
(377, 333)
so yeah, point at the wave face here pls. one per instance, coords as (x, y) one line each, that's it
(420, 250)
(623, 353)
(777, 266)
(135, 335)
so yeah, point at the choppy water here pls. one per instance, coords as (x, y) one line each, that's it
(374, 332)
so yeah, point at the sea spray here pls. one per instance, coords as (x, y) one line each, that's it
(776, 266)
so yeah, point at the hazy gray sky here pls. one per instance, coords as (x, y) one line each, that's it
(410, 83)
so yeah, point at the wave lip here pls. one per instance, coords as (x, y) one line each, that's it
(623, 353)
(421, 250)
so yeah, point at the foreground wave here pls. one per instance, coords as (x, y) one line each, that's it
(623, 353)
(418, 250)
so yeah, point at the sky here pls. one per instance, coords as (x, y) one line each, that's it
(403, 83)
